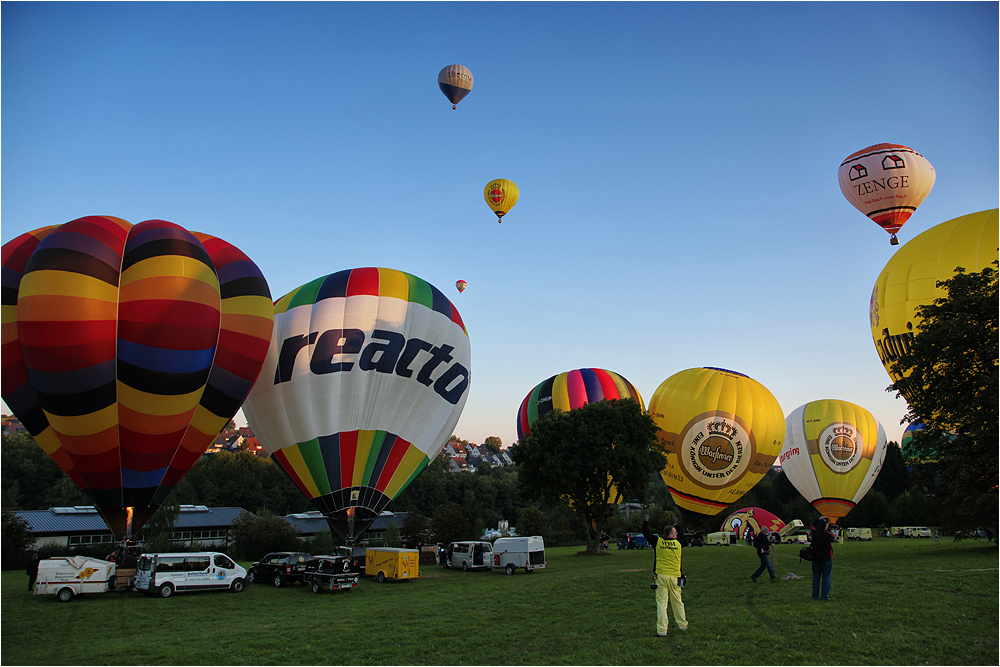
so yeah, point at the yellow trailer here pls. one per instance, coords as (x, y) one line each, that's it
(392, 563)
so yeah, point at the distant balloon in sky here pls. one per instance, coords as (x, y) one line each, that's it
(886, 182)
(461, 285)
(721, 430)
(570, 390)
(501, 195)
(366, 376)
(749, 520)
(127, 349)
(832, 454)
(909, 279)
(455, 81)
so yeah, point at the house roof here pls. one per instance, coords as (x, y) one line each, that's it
(310, 523)
(85, 519)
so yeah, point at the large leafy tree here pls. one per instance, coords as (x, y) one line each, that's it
(593, 456)
(951, 386)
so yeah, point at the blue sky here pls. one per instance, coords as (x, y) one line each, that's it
(677, 164)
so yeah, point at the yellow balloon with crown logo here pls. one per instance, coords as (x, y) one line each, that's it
(721, 431)
(501, 195)
(832, 454)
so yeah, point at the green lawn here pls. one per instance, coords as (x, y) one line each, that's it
(895, 602)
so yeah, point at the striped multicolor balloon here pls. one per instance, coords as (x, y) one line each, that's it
(570, 390)
(132, 348)
(366, 377)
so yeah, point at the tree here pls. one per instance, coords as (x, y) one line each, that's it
(950, 381)
(449, 524)
(16, 540)
(893, 478)
(594, 456)
(160, 528)
(414, 529)
(532, 521)
(492, 444)
(254, 536)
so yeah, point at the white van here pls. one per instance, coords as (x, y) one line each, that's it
(511, 553)
(68, 577)
(163, 574)
(724, 538)
(469, 555)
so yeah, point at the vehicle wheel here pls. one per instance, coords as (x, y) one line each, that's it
(381, 577)
(718, 544)
(237, 586)
(316, 588)
(510, 568)
(278, 581)
(528, 570)
(64, 594)
(166, 590)
(250, 577)
(465, 566)
(112, 582)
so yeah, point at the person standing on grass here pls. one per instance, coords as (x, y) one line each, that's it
(666, 571)
(763, 545)
(822, 562)
(32, 571)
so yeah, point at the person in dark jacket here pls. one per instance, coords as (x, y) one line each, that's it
(822, 562)
(763, 545)
(31, 569)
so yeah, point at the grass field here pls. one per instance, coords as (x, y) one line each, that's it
(895, 602)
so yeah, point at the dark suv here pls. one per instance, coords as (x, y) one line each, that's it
(333, 572)
(281, 567)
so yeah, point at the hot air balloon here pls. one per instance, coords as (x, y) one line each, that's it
(570, 390)
(455, 81)
(886, 182)
(832, 454)
(909, 279)
(501, 195)
(749, 520)
(127, 349)
(366, 376)
(721, 431)
(461, 285)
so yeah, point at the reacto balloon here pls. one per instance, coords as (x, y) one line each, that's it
(721, 430)
(749, 520)
(832, 454)
(909, 279)
(366, 376)
(886, 182)
(126, 350)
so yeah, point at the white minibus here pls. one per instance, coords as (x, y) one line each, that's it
(163, 574)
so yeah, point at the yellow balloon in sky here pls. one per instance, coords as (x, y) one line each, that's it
(909, 279)
(721, 430)
(501, 195)
(832, 454)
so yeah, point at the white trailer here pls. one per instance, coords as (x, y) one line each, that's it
(68, 577)
(510, 553)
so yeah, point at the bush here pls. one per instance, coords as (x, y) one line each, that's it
(253, 536)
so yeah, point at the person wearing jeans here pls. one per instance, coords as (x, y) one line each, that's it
(822, 563)
(763, 545)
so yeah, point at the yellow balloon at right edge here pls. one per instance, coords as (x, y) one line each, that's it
(909, 279)
(832, 454)
(501, 195)
(721, 431)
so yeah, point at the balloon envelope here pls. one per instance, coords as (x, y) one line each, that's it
(750, 520)
(570, 390)
(455, 81)
(909, 279)
(127, 349)
(721, 430)
(366, 376)
(461, 285)
(886, 182)
(832, 454)
(500, 195)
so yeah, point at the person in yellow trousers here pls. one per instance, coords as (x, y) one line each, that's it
(667, 571)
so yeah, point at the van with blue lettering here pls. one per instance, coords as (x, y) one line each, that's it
(167, 573)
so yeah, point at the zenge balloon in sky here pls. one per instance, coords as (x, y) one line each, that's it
(460, 285)
(909, 279)
(721, 430)
(886, 182)
(366, 376)
(501, 195)
(127, 349)
(832, 454)
(455, 81)
(570, 390)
